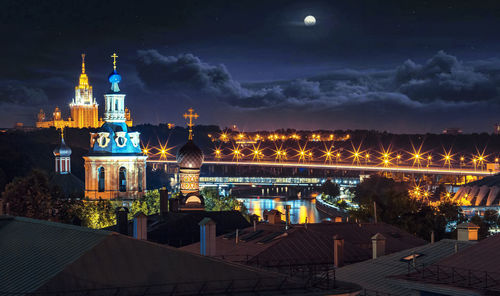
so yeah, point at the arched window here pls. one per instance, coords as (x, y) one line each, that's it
(139, 180)
(122, 179)
(100, 179)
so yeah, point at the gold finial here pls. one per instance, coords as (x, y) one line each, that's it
(62, 133)
(191, 116)
(83, 63)
(114, 56)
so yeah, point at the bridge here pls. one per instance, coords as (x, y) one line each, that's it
(274, 181)
(425, 170)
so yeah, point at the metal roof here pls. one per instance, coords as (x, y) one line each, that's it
(33, 251)
(373, 274)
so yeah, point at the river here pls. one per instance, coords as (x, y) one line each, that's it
(301, 209)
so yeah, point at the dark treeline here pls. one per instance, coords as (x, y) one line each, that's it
(21, 151)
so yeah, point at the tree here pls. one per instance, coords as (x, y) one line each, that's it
(30, 196)
(96, 213)
(149, 204)
(330, 188)
(396, 207)
(216, 202)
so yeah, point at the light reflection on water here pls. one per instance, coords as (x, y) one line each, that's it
(300, 208)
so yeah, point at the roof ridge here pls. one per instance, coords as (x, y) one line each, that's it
(60, 225)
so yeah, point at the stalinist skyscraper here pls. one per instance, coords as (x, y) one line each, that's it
(84, 107)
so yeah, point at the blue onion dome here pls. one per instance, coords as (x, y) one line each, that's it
(190, 156)
(114, 77)
(63, 150)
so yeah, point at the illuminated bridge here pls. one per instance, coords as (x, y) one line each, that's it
(430, 170)
(273, 181)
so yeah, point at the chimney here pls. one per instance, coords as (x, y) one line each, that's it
(432, 237)
(375, 212)
(163, 201)
(287, 214)
(122, 220)
(378, 245)
(207, 237)
(141, 226)
(338, 251)
(173, 204)
(467, 232)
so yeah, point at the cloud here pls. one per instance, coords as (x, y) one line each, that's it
(445, 78)
(440, 90)
(13, 92)
(185, 72)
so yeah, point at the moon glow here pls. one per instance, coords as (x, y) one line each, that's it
(309, 20)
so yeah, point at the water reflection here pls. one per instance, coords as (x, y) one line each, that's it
(301, 209)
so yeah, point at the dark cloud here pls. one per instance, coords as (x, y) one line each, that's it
(14, 92)
(440, 80)
(445, 78)
(412, 91)
(185, 73)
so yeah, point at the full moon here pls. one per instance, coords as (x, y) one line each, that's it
(309, 20)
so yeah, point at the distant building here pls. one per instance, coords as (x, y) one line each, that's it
(115, 166)
(452, 131)
(497, 129)
(83, 107)
(70, 185)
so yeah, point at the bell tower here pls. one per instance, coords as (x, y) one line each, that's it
(115, 167)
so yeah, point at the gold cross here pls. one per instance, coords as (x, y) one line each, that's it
(114, 56)
(191, 116)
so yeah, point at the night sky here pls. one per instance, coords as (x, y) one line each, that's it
(400, 66)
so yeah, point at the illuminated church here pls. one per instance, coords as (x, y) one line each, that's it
(190, 159)
(115, 167)
(83, 108)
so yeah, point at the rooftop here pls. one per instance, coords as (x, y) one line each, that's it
(52, 258)
(373, 274)
(270, 244)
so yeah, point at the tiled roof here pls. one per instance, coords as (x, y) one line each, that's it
(373, 274)
(313, 244)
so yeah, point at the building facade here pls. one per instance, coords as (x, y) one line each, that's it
(115, 167)
(83, 108)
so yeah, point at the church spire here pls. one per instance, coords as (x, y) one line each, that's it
(114, 78)
(190, 124)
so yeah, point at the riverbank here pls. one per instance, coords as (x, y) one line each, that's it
(328, 209)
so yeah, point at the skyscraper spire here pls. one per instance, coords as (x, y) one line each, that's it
(83, 63)
(84, 79)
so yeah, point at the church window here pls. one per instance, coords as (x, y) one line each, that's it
(100, 179)
(139, 180)
(123, 179)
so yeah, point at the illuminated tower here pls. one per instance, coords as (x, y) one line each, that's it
(115, 167)
(84, 109)
(62, 157)
(190, 160)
